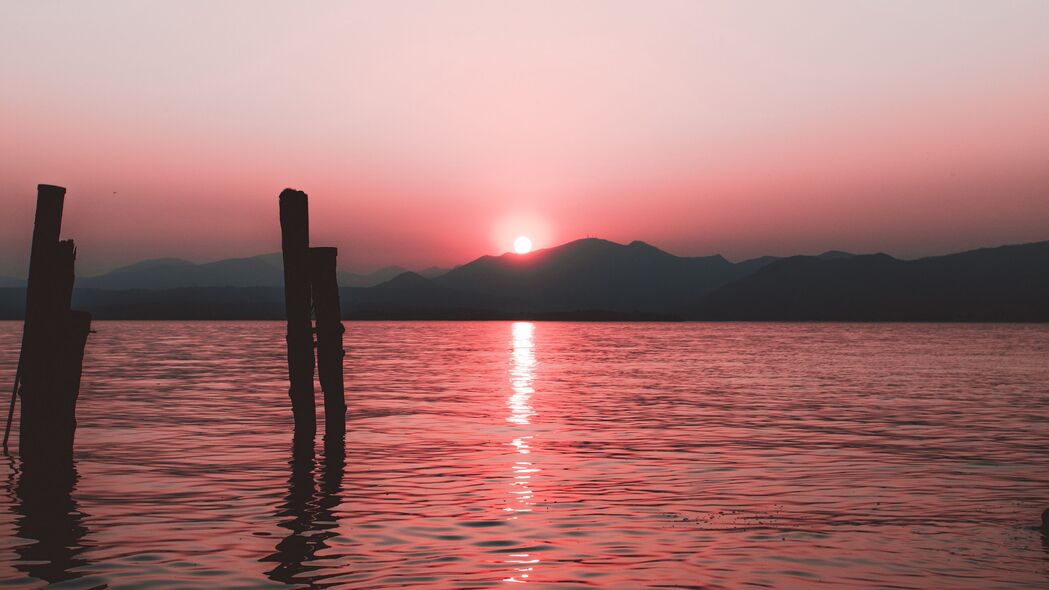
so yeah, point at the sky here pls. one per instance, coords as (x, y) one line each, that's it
(431, 133)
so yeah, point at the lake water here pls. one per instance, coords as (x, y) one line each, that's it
(554, 454)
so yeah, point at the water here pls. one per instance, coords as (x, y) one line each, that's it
(557, 454)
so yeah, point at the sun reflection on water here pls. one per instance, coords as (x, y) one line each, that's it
(522, 376)
(522, 373)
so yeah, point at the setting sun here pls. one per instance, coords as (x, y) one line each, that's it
(522, 245)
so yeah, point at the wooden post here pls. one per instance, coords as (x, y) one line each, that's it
(46, 228)
(43, 322)
(53, 342)
(295, 243)
(64, 358)
(329, 340)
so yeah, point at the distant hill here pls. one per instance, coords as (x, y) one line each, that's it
(595, 274)
(835, 255)
(174, 273)
(351, 279)
(265, 270)
(1009, 283)
(412, 296)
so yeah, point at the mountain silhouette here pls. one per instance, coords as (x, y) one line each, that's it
(595, 274)
(835, 255)
(408, 280)
(413, 296)
(433, 272)
(596, 279)
(265, 270)
(1008, 283)
(173, 273)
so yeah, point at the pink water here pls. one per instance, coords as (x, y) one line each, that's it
(555, 454)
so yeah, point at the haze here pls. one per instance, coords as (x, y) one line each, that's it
(431, 133)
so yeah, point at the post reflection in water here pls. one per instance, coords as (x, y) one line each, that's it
(308, 512)
(51, 521)
(522, 378)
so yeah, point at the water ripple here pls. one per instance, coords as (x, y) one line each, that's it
(553, 454)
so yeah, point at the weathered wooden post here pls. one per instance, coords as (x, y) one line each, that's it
(46, 228)
(66, 354)
(41, 324)
(52, 341)
(329, 340)
(295, 244)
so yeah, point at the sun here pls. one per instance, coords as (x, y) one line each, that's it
(522, 245)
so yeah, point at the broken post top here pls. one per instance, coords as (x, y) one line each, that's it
(50, 189)
(48, 220)
(324, 253)
(291, 196)
(49, 201)
(294, 224)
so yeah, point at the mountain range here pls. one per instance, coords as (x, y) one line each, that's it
(265, 270)
(599, 279)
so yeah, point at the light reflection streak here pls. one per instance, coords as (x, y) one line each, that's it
(522, 373)
(522, 377)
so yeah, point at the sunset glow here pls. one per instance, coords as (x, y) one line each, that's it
(522, 245)
(698, 127)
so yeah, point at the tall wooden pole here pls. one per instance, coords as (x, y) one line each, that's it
(46, 228)
(295, 244)
(53, 341)
(329, 341)
(43, 323)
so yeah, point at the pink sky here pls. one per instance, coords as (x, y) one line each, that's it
(434, 132)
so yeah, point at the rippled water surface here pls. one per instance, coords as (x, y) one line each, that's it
(556, 454)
